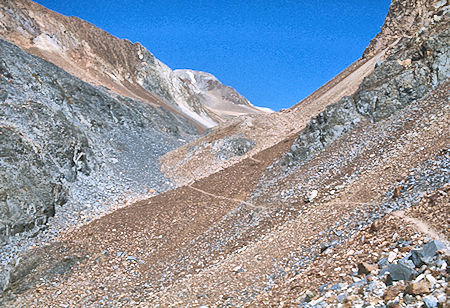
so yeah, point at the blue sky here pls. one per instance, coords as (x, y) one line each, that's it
(273, 52)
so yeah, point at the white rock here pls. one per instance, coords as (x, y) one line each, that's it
(311, 195)
(391, 257)
(441, 297)
(419, 278)
(440, 3)
(431, 279)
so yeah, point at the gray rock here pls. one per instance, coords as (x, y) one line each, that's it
(383, 262)
(427, 253)
(341, 297)
(57, 131)
(430, 249)
(131, 259)
(233, 146)
(430, 301)
(336, 287)
(399, 272)
(408, 299)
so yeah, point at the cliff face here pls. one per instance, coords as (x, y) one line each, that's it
(404, 19)
(101, 59)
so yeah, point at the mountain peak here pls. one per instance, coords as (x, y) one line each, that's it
(101, 59)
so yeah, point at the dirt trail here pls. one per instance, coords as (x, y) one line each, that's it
(196, 245)
(225, 198)
(422, 227)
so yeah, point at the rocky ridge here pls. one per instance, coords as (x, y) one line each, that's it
(63, 142)
(101, 59)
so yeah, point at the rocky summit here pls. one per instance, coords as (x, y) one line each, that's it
(110, 197)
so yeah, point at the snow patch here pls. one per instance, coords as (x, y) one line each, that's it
(265, 109)
(191, 77)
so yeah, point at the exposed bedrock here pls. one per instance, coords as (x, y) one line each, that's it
(416, 67)
(56, 130)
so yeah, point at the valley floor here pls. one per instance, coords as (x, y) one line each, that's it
(246, 235)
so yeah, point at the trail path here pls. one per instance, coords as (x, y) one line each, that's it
(422, 227)
(225, 198)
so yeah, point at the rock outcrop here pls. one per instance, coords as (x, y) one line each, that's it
(59, 136)
(404, 19)
(101, 59)
(416, 66)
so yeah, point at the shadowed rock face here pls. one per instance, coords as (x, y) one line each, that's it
(57, 131)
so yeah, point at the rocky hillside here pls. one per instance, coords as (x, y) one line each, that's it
(63, 134)
(65, 140)
(349, 208)
(101, 59)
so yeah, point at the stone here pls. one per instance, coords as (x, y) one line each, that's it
(366, 268)
(399, 272)
(427, 253)
(397, 191)
(375, 226)
(416, 258)
(439, 4)
(408, 299)
(310, 196)
(418, 288)
(383, 262)
(430, 301)
(237, 269)
(392, 292)
(430, 249)
(391, 257)
(309, 295)
(131, 259)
